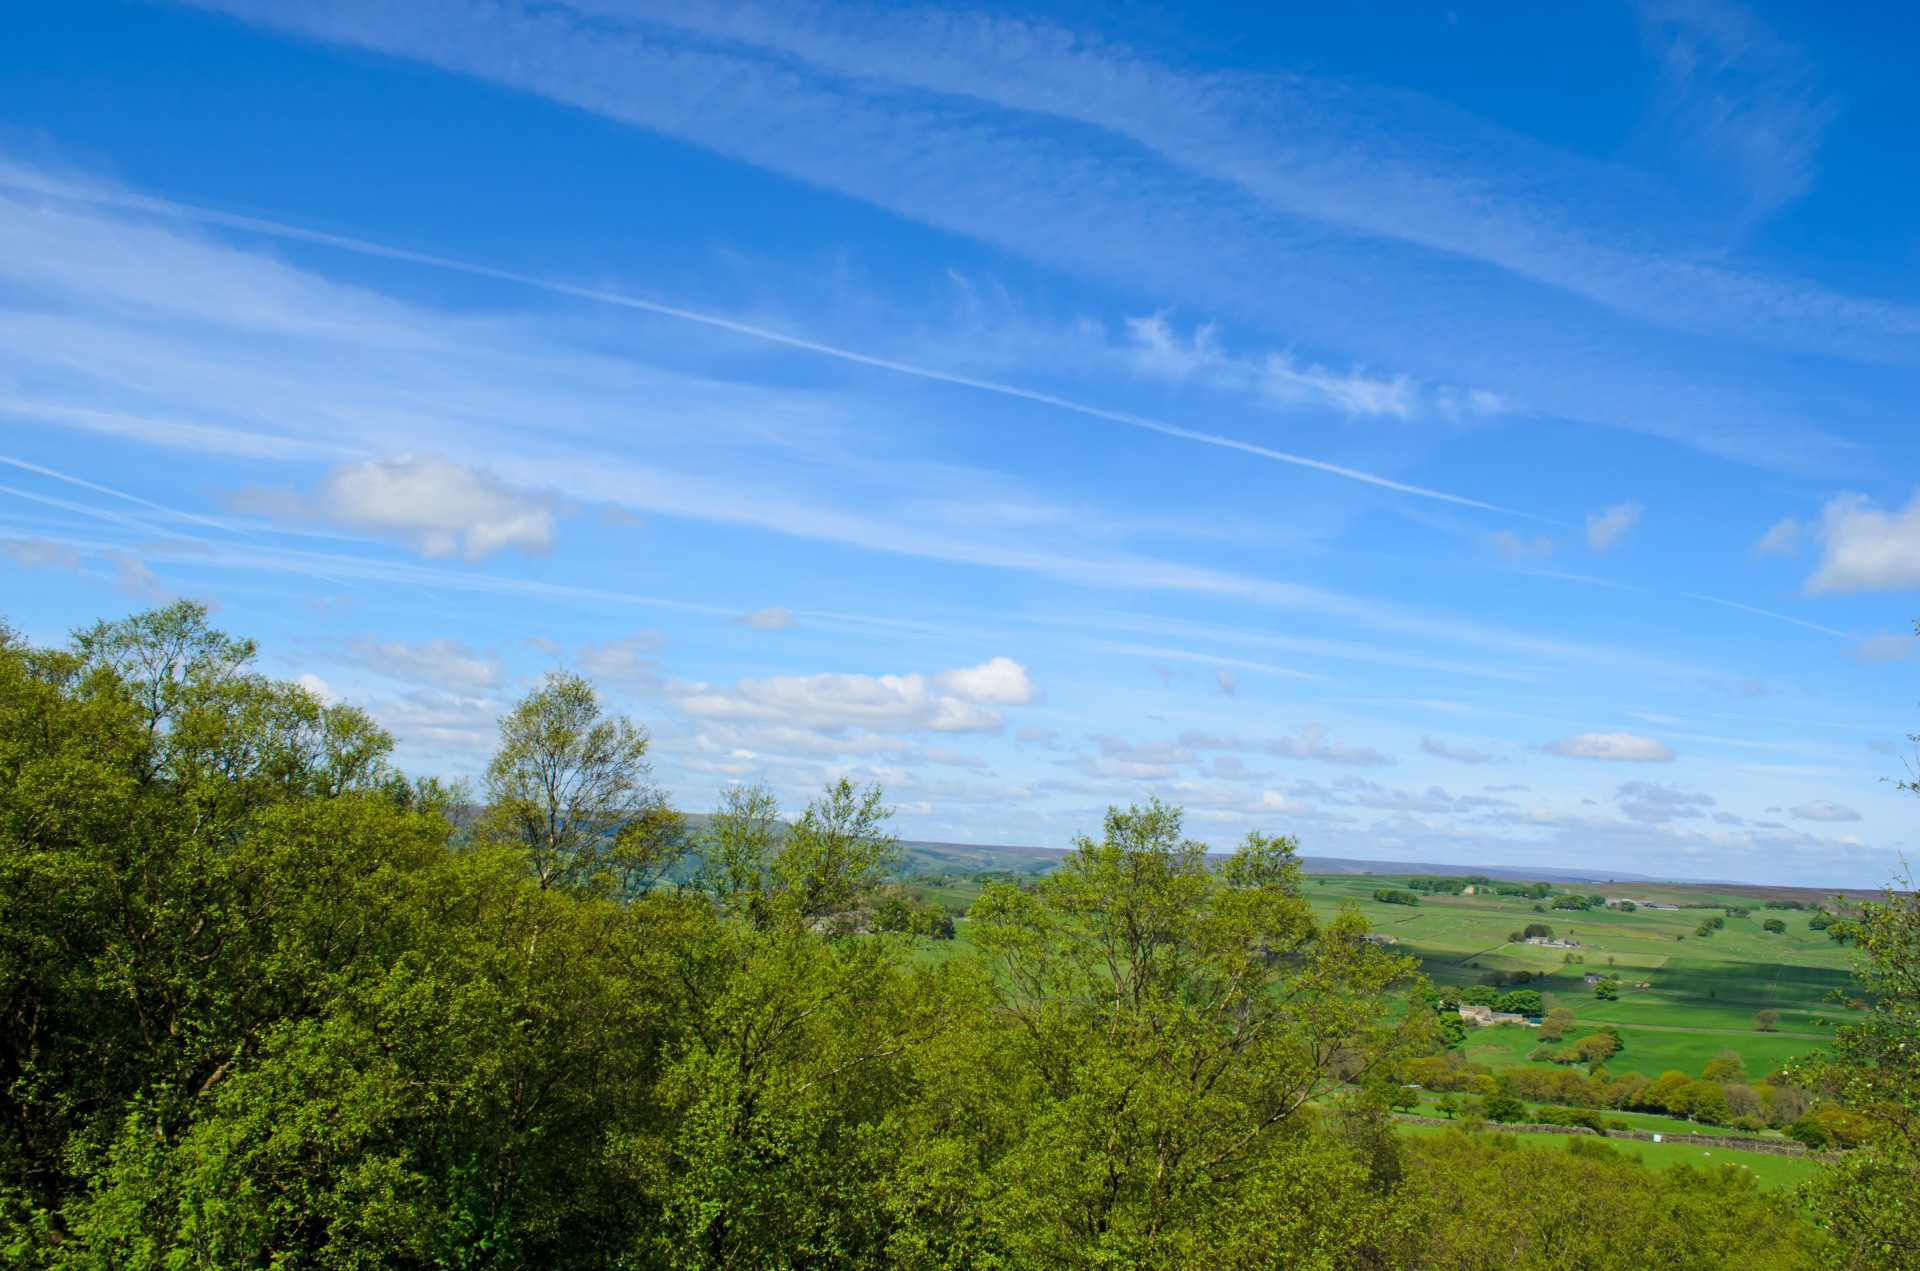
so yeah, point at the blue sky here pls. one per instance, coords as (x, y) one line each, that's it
(1445, 432)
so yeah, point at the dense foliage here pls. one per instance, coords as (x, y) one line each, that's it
(264, 1002)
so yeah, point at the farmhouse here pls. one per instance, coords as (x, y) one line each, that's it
(1552, 943)
(1484, 1016)
(1375, 937)
(1592, 978)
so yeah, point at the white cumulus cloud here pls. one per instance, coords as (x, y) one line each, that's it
(40, 553)
(958, 700)
(1887, 647)
(1621, 746)
(444, 662)
(1459, 754)
(626, 663)
(1865, 549)
(434, 506)
(1608, 526)
(1312, 743)
(772, 618)
(1824, 810)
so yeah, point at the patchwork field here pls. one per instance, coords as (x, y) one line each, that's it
(1684, 997)
(1768, 1169)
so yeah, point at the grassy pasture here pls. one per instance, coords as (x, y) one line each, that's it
(1700, 996)
(1767, 1169)
(1701, 992)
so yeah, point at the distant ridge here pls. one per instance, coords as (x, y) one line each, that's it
(982, 856)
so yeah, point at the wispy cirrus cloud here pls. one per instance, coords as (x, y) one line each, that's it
(917, 110)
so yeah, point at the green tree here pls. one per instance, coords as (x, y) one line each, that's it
(1776, 926)
(1172, 1024)
(1871, 1199)
(1725, 1066)
(1558, 1023)
(736, 847)
(1767, 1021)
(571, 787)
(1505, 1107)
(836, 852)
(1606, 989)
(1710, 1103)
(1522, 1002)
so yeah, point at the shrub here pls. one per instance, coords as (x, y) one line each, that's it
(1777, 926)
(1808, 1131)
(1710, 1103)
(1554, 1115)
(1505, 1107)
(1750, 1124)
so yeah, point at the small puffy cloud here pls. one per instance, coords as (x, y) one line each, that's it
(1888, 648)
(772, 618)
(432, 721)
(318, 687)
(1312, 743)
(543, 644)
(1748, 688)
(1149, 752)
(1608, 526)
(1865, 549)
(1459, 754)
(996, 682)
(1514, 547)
(434, 506)
(1226, 681)
(1654, 804)
(1216, 741)
(1824, 810)
(132, 576)
(626, 663)
(958, 700)
(443, 663)
(1622, 747)
(1229, 768)
(1782, 539)
(40, 553)
(1036, 735)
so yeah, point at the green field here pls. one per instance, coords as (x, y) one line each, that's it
(1684, 999)
(1768, 1169)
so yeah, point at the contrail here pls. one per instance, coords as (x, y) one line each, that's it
(12, 176)
(1766, 613)
(118, 494)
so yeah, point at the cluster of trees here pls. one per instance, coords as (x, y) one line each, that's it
(1722, 1095)
(1574, 900)
(265, 1001)
(1395, 896)
(1447, 885)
